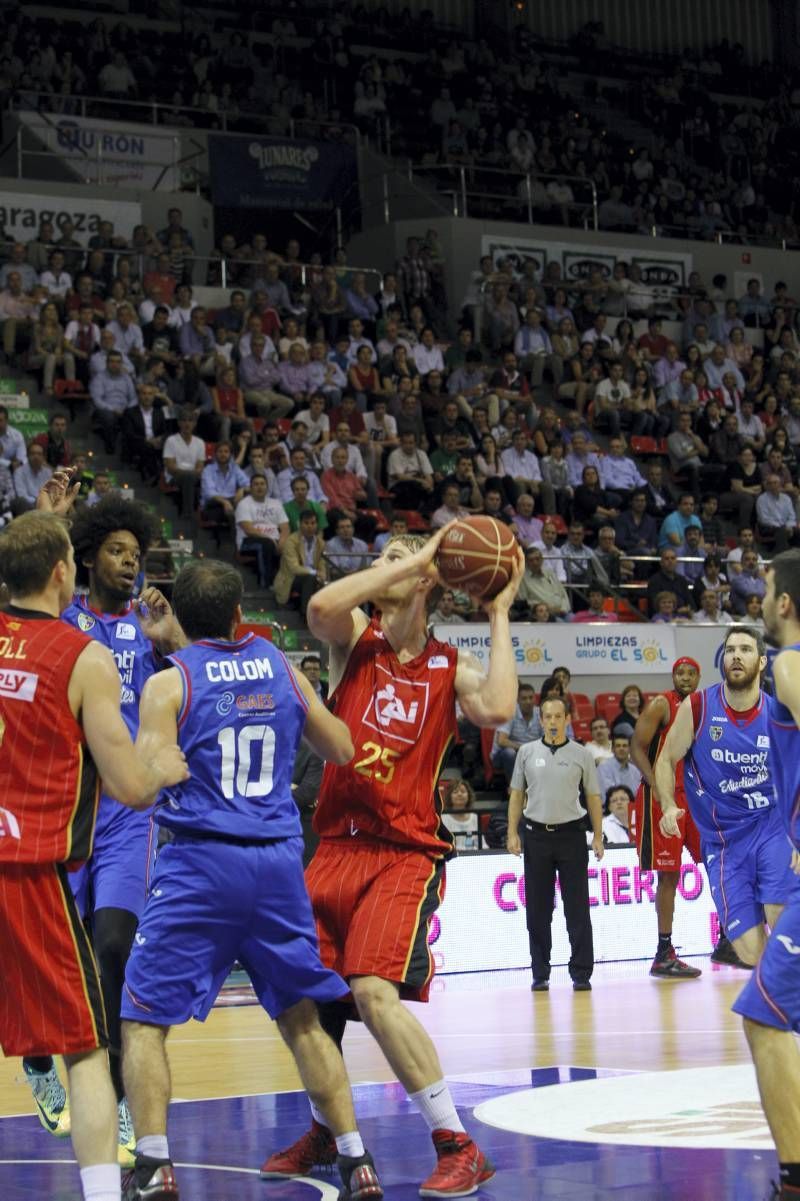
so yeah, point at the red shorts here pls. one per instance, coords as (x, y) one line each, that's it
(373, 903)
(50, 1000)
(657, 853)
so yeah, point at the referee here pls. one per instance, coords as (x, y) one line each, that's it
(545, 793)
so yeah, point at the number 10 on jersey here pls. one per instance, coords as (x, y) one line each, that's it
(237, 760)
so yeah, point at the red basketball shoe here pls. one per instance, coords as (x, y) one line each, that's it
(315, 1148)
(462, 1166)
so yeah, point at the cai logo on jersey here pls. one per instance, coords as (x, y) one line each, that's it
(399, 707)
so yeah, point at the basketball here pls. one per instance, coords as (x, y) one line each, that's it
(477, 555)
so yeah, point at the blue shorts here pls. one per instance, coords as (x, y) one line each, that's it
(212, 903)
(772, 994)
(117, 875)
(749, 871)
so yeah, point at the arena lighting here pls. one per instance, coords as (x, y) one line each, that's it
(519, 6)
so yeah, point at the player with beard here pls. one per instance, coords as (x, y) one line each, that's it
(770, 1001)
(110, 541)
(378, 875)
(723, 736)
(656, 853)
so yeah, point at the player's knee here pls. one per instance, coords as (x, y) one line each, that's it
(298, 1021)
(374, 998)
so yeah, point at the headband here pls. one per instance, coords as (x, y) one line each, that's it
(686, 659)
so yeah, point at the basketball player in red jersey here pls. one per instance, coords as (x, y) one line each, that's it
(61, 730)
(657, 853)
(378, 875)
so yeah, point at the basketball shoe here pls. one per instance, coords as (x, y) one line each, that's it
(126, 1143)
(670, 967)
(724, 953)
(150, 1180)
(52, 1105)
(315, 1148)
(462, 1166)
(359, 1178)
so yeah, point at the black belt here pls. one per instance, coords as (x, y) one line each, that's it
(232, 839)
(553, 827)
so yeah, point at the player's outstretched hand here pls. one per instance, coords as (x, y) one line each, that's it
(598, 846)
(422, 561)
(505, 599)
(156, 618)
(670, 819)
(170, 765)
(59, 493)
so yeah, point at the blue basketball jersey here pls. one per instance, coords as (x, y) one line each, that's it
(241, 720)
(727, 774)
(785, 763)
(132, 651)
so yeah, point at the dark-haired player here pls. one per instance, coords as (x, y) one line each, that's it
(229, 887)
(770, 1001)
(657, 853)
(110, 541)
(722, 735)
(378, 875)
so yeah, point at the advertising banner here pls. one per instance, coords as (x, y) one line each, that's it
(631, 650)
(481, 923)
(21, 215)
(664, 269)
(110, 152)
(280, 173)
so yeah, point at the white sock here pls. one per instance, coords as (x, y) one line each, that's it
(436, 1106)
(154, 1146)
(317, 1115)
(350, 1145)
(101, 1182)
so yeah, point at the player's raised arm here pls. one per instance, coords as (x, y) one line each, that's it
(333, 613)
(324, 733)
(676, 745)
(649, 722)
(133, 776)
(491, 699)
(786, 675)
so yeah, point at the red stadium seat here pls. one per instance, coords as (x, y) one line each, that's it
(607, 705)
(582, 730)
(643, 445)
(415, 521)
(490, 772)
(582, 707)
(251, 627)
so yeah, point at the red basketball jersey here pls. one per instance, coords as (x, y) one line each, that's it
(48, 782)
(674, 700)
(402, 718)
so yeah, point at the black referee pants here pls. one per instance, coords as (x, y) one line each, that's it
(563, 850)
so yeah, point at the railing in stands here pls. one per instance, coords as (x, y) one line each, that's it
(526, 190)
(154, 112)
(225, 269)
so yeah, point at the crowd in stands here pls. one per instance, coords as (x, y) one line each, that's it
(717, 151)
(615, 452)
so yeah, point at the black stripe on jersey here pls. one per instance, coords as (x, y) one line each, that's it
(420, 962)
(87, 798)
(86, 960)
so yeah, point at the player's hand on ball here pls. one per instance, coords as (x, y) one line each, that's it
(505, 599)
(423, 560)
(669, 824)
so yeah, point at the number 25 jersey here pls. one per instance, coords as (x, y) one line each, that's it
(402, 719)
